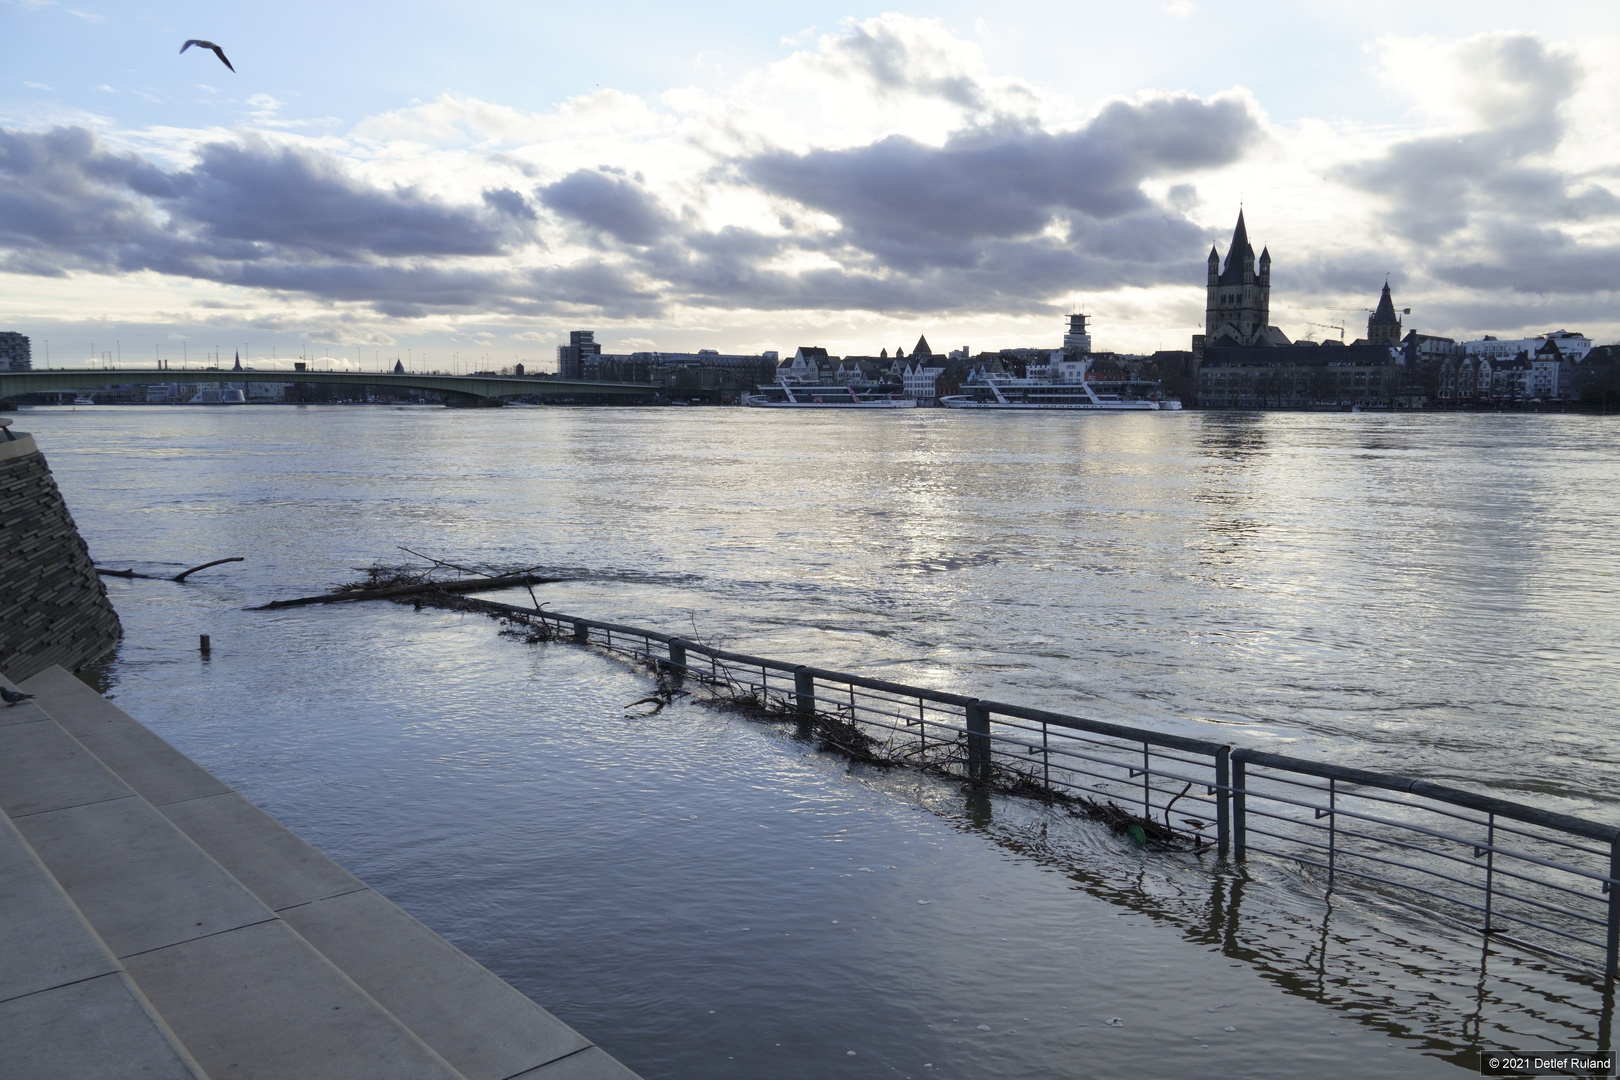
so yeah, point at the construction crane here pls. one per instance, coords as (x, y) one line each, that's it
(1328, 326)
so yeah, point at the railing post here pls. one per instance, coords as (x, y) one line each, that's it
(1240, 780)
(1223, 801)
(1333, 828)
(1147, 787)
(804, 692)
(677, 661)
(978, 740)
(1490, 870)
(582, 632)
(1612, 965)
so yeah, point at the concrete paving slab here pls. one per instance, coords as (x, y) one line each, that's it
(591, 1064)
(275, 864)
(44, 941)
(24, 712)
(138, 880)
(480, 1024)
(93, 1030)
(141, 758)
(260, 1004)
(44, 768)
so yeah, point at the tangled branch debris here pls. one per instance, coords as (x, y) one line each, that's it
(417, 585)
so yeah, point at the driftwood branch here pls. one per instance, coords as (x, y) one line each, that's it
(466, 586)
(104, 572)
(187, 573)
(456, 566)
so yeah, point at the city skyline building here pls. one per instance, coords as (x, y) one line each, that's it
(16, 351)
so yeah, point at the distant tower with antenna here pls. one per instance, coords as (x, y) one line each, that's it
(1077, 342)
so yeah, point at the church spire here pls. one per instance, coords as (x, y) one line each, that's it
(1386, 307)
(1240, 237)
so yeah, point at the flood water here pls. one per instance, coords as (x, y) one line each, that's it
(707, 897)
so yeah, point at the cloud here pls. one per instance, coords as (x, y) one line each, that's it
(609, 203)
(1009, 181)
(1490, 201)
(252, 213)
(879, 172)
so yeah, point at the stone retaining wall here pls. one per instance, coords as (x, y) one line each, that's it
(53, 607)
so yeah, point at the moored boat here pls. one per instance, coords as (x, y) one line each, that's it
(1061, 384)
(788, 394)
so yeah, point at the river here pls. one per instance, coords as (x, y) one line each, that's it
(706, 897)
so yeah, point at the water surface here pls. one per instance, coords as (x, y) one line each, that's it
(1422, 594)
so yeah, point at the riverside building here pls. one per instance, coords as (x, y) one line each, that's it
(1241, 361)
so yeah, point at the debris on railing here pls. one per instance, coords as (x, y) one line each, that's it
(1133, 780)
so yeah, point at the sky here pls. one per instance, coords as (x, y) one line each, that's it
(463, 184)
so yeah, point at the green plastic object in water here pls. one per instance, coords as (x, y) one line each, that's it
(1135, 833)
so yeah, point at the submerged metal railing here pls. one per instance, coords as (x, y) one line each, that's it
(1518, 875)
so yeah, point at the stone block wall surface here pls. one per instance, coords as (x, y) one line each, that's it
(53, 607)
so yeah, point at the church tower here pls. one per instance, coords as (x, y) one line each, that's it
(1237, 311)
(1384, 325)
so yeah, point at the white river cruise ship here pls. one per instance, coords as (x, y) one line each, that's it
(1060, 384)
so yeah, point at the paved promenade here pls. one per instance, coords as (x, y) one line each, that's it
(154, 923)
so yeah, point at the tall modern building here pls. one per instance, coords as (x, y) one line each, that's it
(570, 357)
(16, 352)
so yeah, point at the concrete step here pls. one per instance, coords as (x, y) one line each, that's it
(236, 990)
(477, 1023)
(68, 1010)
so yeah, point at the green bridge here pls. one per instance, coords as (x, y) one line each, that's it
(462, 389)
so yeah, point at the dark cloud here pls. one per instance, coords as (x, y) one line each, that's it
(899, 197)
(510, 203)
(247, 213)
(297, 199)
(608, 202)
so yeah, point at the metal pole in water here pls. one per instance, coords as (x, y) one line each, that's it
(978, 739)
(804, 692)
(1223, 801)
(677, 661)
(582, 632)
(1147, 790)
(1333, 831)
(1612, 966)
(1046, 760)
(1240, 795)
(1490, 870)
(203, 644)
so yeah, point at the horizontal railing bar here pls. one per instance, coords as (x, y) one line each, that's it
(1437, 792)
(1438, 896)
(1499, 870)
(1481, 848)
(1431, 808)
(1118, 731)
(1350, 853)
(1520, 855)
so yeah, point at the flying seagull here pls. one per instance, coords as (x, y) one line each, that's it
(12, 697)
(219, 52)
